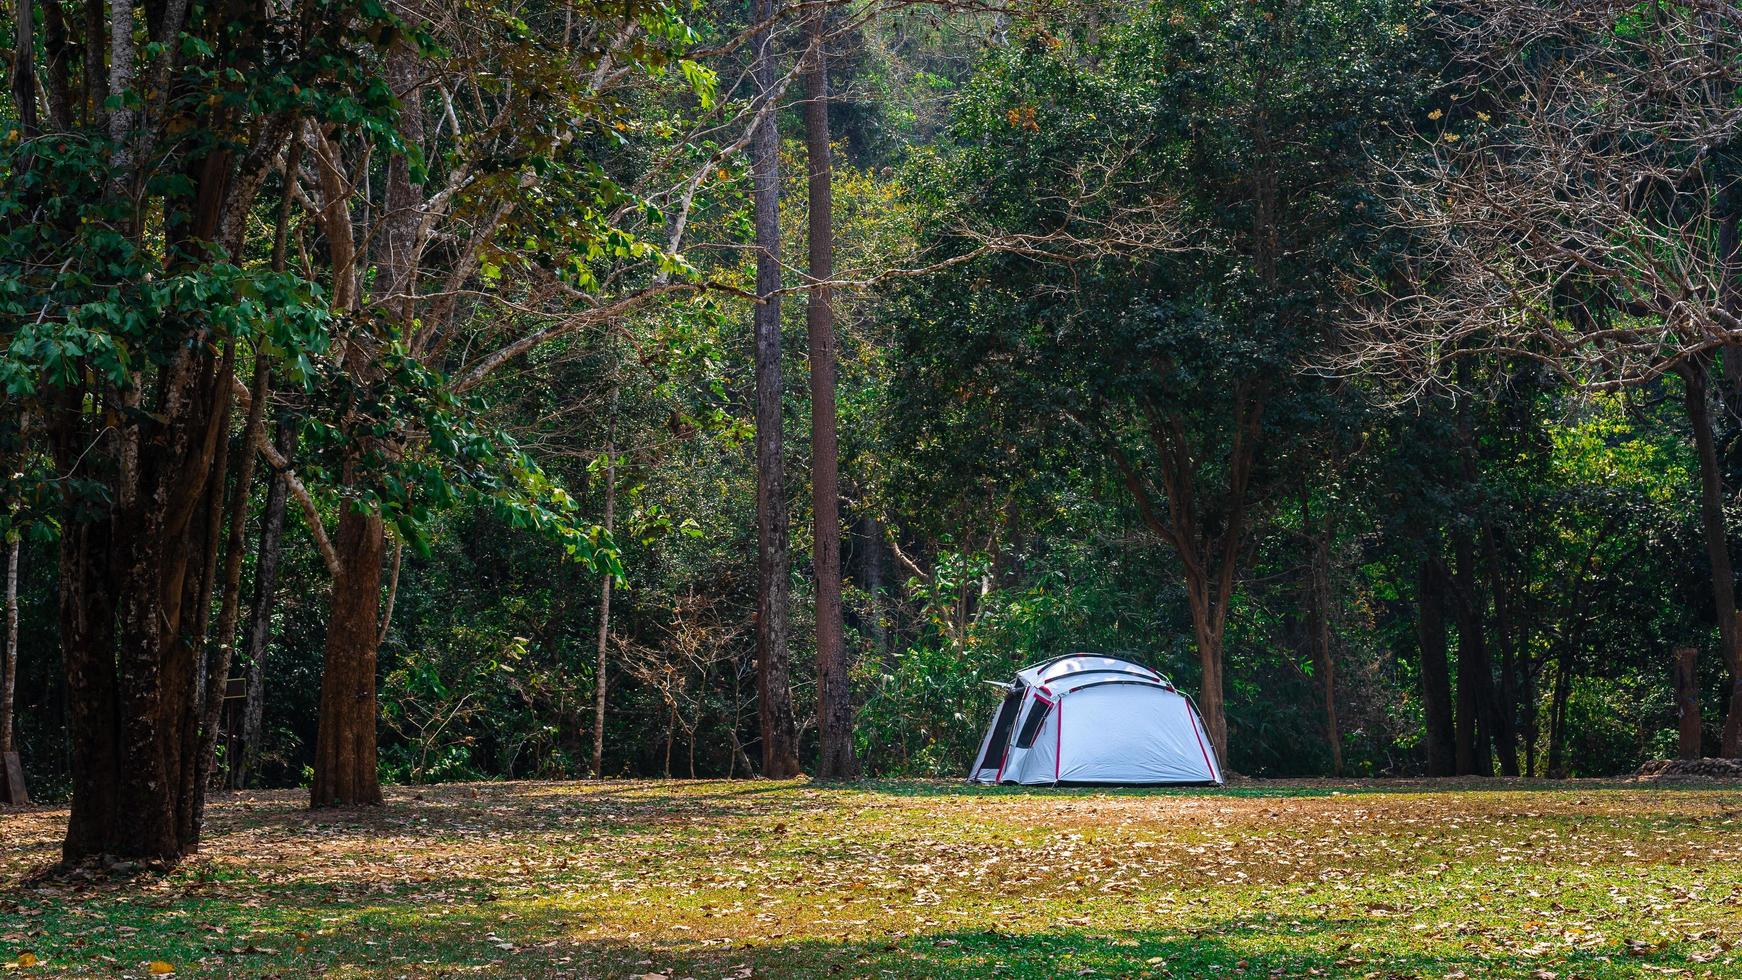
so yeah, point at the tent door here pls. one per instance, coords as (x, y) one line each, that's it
(992, 751)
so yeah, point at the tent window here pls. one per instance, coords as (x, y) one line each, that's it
(1031, 724)
(1001, 728)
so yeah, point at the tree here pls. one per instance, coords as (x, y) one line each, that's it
(405, 438)
(125, 307)
(11, 772)
(247, 728)
(774, 692)
(1163, 250)
(1575, 202)
(605, 589)
(834, 694)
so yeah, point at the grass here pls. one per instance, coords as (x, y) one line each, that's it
(914, 879)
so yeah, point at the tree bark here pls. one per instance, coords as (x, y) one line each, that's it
(599, 682)
(11, 769)
(1474, 757)
(260, 617)
(24, 66)
(774, 689)
(1319, 633)
(1695, 378)
(1504, 705)
(57, 69)
(130, 579)
(345, 750)
(1557, 714)
(95, 81)
(1436, 685)
(135, 559)
(9, 663)
(834, 690)
(221, 650)
(1210, 698)
(345, 772)
(869, 550)
(1687, 703)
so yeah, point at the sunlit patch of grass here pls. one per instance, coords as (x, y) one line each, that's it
(714, 879)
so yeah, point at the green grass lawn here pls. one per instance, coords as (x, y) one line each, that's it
(719, 879)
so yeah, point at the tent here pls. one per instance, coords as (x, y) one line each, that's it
(1084, 718)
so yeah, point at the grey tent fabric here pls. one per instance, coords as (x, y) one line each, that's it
(1087, 718)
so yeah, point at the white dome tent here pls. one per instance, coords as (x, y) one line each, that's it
(1085, 718)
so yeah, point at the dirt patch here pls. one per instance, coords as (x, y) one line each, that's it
(1730, 769)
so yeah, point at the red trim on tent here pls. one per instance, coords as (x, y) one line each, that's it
(1058, 740)
(1192, 716)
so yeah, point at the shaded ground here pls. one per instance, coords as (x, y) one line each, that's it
(718, 879)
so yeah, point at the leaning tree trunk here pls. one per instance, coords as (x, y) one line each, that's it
(1695, 377)
(345, 753)
(834, 690)
(774, 688)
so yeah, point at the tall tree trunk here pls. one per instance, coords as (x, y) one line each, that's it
(9, 662)
(230, 603)
(1436, 684)
(393, 570)
(11, 770)
(1557, 714)
(773, 683)
(95, 81)
(834, 690)
(599, 687)
(130, 581)
(87, 635)
(260, 616)
(1206, 630)
(202, 589)
(1473, 756)
(1687, 703)
(24, 66)
(1695, 377)
(1319, 633)
(57, 69)
(1504, 706)
(869, 551)
(345, 751)
(247, 749)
